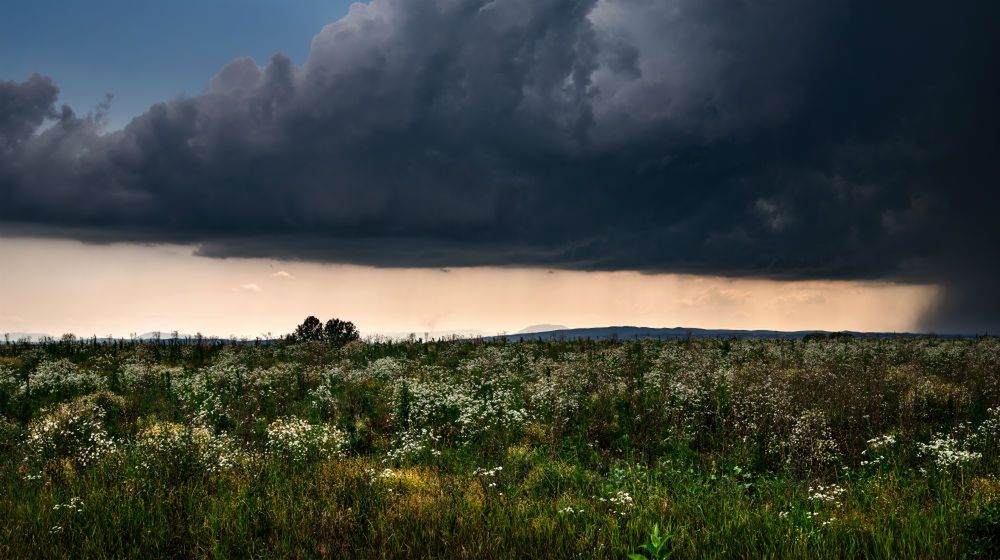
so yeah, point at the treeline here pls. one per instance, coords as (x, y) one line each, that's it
(335, 331)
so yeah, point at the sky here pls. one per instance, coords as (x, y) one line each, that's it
(146, 52)
(490, 164)
(125, 288)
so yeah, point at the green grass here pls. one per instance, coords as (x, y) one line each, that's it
(735, 449)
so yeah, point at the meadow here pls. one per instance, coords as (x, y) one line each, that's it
(837, 448)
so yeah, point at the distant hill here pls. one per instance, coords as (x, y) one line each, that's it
(629, 332)
(557, 333)
(163, 335)
(33, 337)
(541, 328)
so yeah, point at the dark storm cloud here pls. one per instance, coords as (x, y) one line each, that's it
(777, 139)
(23, 108)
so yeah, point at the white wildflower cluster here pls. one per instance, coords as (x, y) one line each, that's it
(296, 440)
(570, 510)
(560, 389)
(228, 390)
(829, 494)
(881, 442)
(74, 431)
(806, 515)
(323, 401)
(74, 505)
(927, 397)
(137, 375)
(988, 433)
(487, 474)
(382, 369)
(945, 452)
(871, 461)
(482, 471)
(199, 401)
(181, 446)
(60, 377)
(621, 502)
(684, 384)
(459, 408)
(824, 499)
(761, 405)
(810, 446)
(489, 364)
(197, 397)
(412, 443)
(873, 455)
(385, 477)
(321, 397)
(688, 399)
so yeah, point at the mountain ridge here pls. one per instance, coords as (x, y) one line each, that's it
(628, 331)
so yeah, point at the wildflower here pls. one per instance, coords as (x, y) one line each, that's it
(73, 430)
(946, 452)
(75, 504)
(297, 440)
(881, 442)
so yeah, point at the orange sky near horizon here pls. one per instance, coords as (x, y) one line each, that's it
(56, 286)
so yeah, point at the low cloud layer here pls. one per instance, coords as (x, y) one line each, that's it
(771, 139)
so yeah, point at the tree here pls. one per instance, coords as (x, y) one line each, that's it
(310, 329)
(339, 332)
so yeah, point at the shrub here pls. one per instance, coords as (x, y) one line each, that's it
(983, 532)
(75, 432)
(185, 450)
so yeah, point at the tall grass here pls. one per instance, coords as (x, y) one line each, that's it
(750, 449)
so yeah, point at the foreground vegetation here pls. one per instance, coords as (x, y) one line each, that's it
(750, 449)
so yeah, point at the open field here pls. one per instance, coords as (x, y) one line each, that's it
(751, 449)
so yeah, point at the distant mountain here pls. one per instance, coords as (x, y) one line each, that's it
(541, 328)
(629, 332)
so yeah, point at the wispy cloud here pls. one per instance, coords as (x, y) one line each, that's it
(249, 288)
(282, 274)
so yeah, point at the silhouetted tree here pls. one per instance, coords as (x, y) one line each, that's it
(339, 332)
(310, 329)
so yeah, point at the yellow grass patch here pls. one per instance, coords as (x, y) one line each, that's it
(985, 488)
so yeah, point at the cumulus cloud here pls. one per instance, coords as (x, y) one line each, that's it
(777, 139)
(281, 274)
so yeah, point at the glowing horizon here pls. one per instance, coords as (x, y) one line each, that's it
(56, 287)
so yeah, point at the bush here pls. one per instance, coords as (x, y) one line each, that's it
(75, 433)
(983, 532)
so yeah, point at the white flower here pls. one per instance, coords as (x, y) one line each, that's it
(297, 440)
(946, 451)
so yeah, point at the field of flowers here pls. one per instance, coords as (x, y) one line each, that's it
(472, 449)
